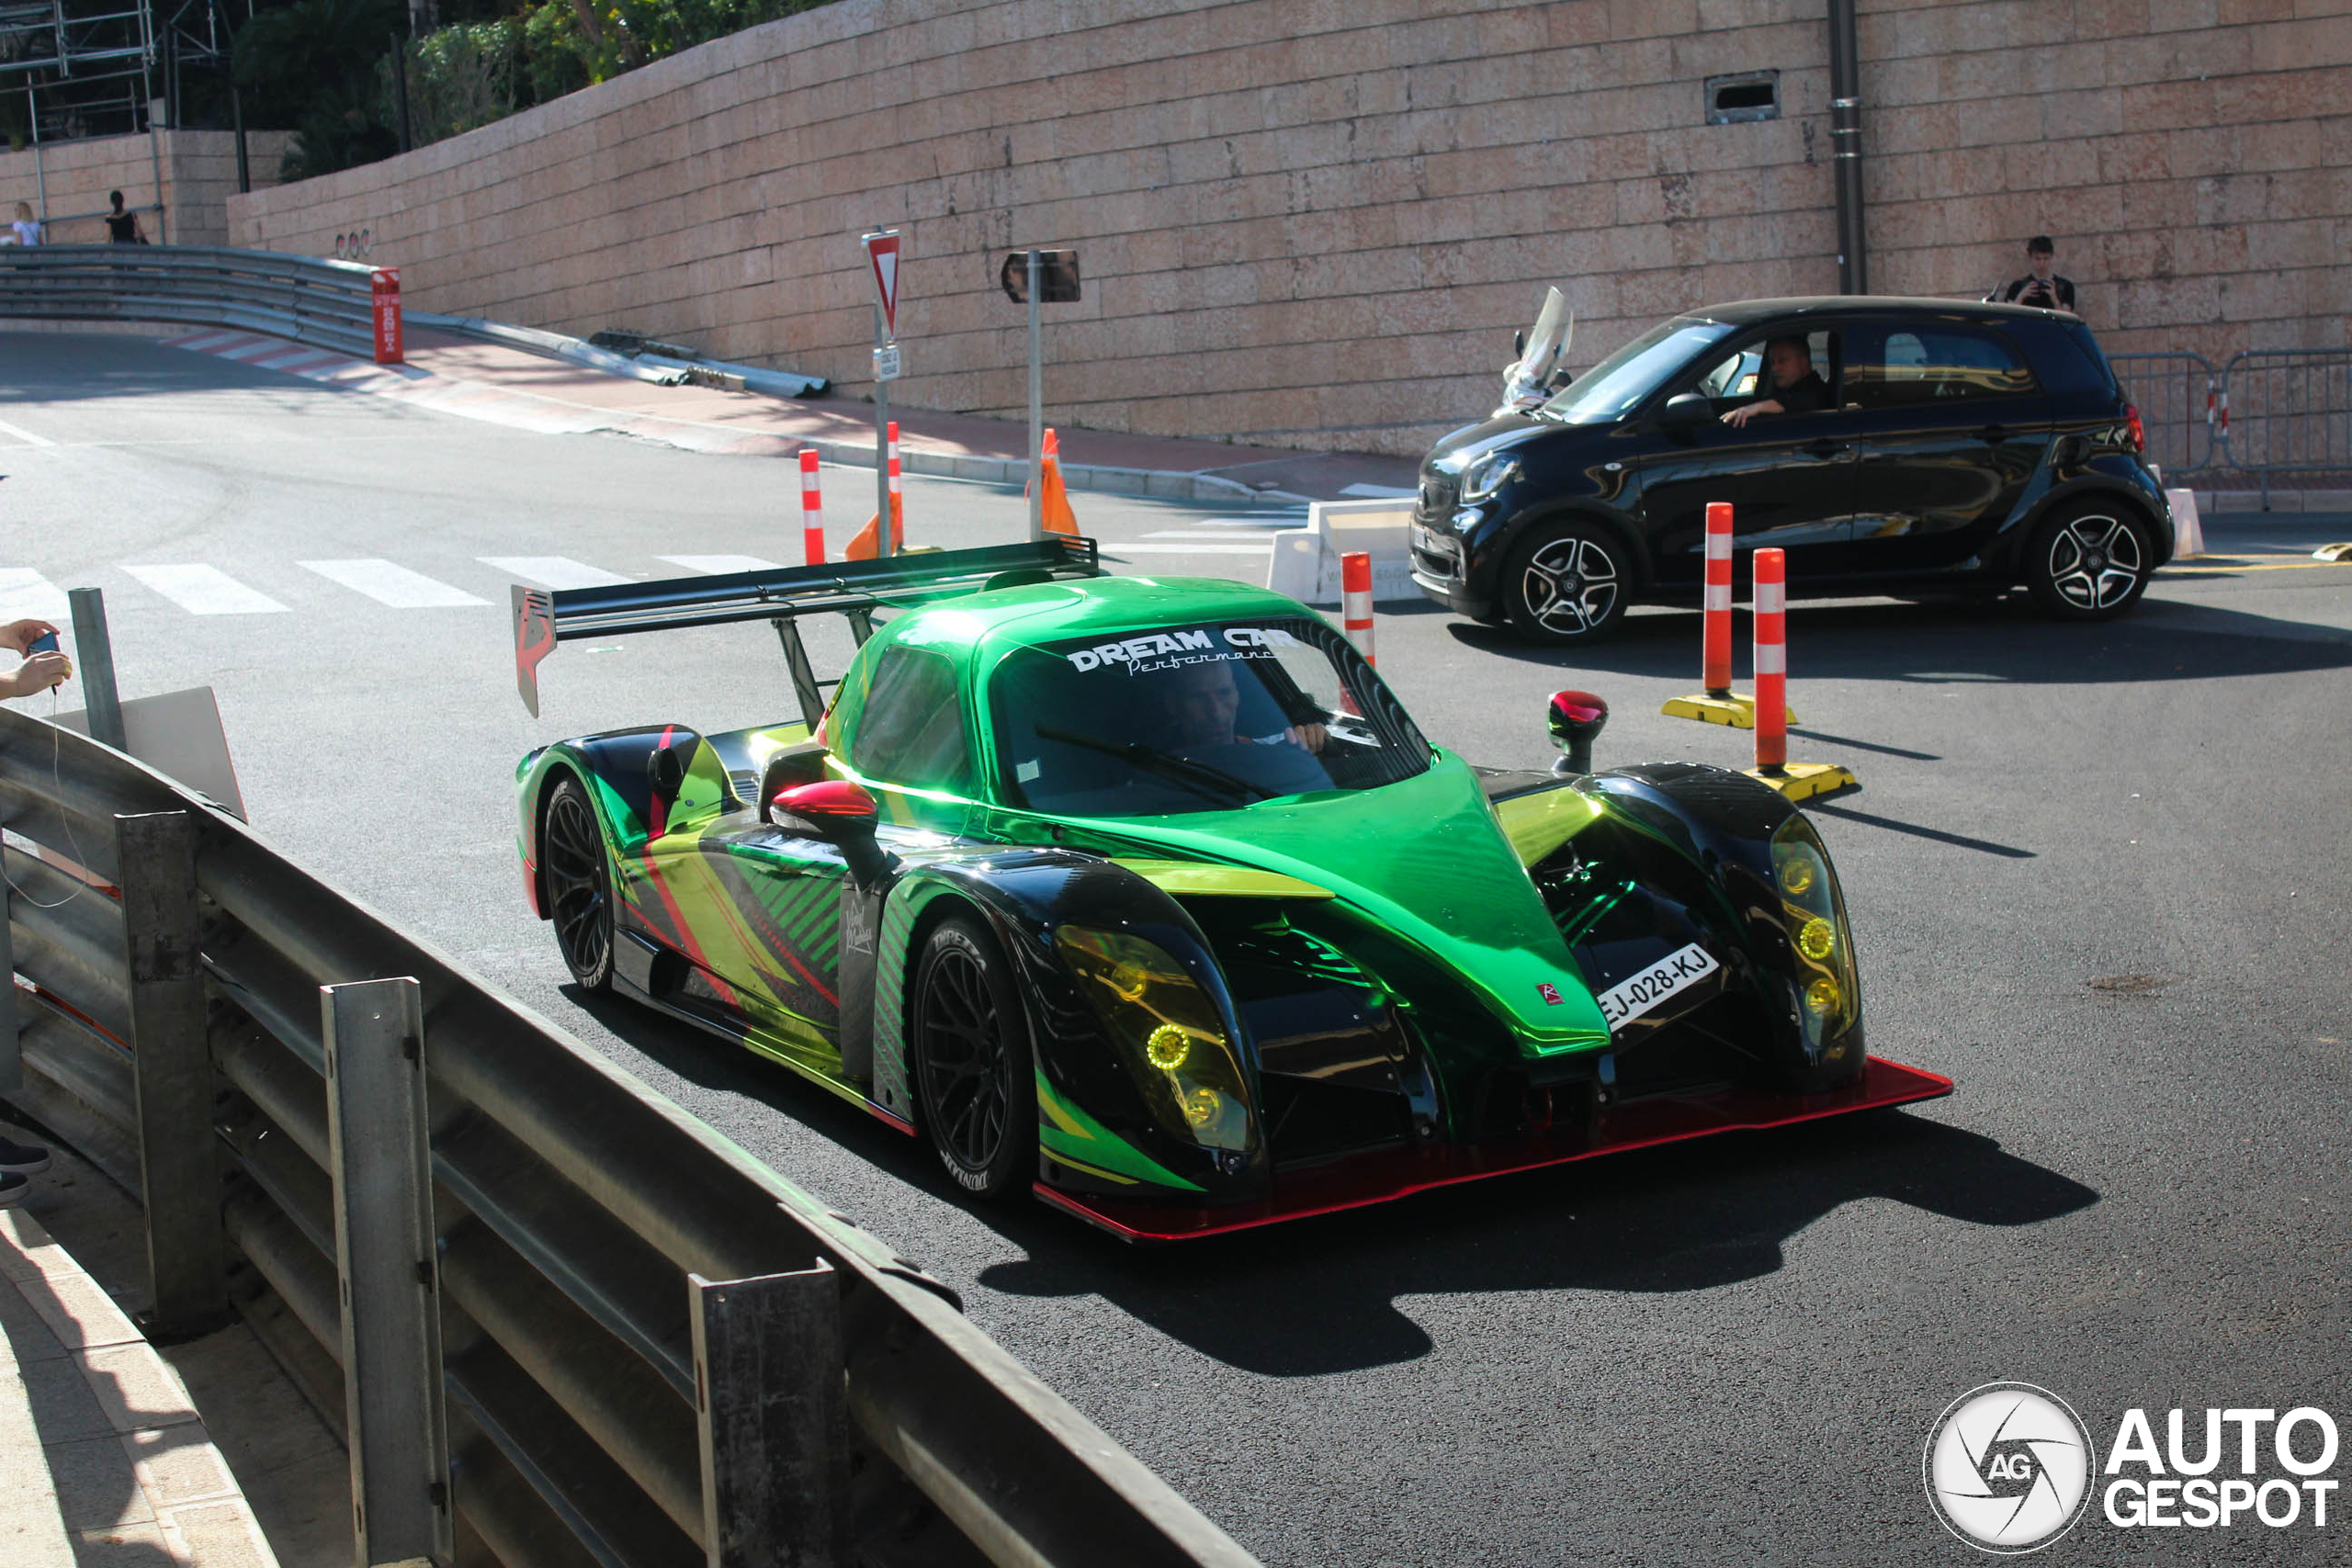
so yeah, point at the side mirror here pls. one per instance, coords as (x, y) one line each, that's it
(1519, 346)
(665, 772)
(1687, 411)
(842, 813)
(1575, 719)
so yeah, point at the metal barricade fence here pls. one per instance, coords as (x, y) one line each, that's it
(302, 298)
(564, 1323)
(2179, 399)
(2287, 410)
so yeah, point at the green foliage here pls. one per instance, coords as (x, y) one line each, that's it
(460, 78)
(574, 42)
(311, 66)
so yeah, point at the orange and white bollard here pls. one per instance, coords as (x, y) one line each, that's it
(1355, 602)
(1771, 662)
(1715, 652)
(1716, 702)
(812, 509)
(1801, 780)
(898, 507)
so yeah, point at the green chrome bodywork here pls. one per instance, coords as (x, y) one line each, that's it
(1438, 876)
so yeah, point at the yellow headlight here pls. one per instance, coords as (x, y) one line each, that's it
(1203, 1106)
(1130, 980)
(1815, 938)
(1167, 1046)
(1822, 997)
(1796, 875)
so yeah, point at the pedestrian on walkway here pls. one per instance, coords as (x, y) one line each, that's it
(122, 228)
(24, 231)
(2041, 285)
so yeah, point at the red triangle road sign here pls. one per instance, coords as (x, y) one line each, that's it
(882, 250)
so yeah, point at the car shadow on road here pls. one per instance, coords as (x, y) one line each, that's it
(1318, 1297)
(2007, 642)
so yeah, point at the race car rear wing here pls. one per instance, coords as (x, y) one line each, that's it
(545, 617)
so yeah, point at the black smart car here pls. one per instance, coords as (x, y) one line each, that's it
(1932, 447)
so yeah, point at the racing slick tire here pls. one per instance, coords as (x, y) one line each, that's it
(579, 886)
(2089, 560)
(969, 1038)
(1566, 584)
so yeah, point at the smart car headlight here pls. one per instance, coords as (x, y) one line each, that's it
(1488, 474)
(1827, 997)
(1168, 1034)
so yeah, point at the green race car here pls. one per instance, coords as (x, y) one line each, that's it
(1148, 895)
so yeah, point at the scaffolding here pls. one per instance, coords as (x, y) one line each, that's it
(93, 69)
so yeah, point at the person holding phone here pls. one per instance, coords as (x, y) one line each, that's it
(44, 664)
(2041, 285)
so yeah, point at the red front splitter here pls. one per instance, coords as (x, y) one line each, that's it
(1382, 1176)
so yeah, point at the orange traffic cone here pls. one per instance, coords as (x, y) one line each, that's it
(869, 539)
(1059, 518)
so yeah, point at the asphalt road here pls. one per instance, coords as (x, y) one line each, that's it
(2097, 875)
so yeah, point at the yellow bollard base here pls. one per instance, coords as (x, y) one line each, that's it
(1737, 709)
(1802, 781)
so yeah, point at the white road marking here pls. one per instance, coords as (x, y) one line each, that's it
(1209, 538)
(205, 590)
(1377, 492)
(1121, 548)
(553, 571)
(390, 584)
(27, 436)
(715, 565)
(1272, 519)
(26, 594)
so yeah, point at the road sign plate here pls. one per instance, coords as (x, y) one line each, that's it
(886, 363)
(882, 250)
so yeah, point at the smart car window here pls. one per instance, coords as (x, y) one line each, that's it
(1212, 717)
(1611, 390)
(1917, 364)
(910, 729)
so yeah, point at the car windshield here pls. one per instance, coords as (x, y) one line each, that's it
(1608, 391)
(1196, 717)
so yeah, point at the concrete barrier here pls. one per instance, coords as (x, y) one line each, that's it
(1305, 564)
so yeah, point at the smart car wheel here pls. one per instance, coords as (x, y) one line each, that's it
(2088, 562)
(1566, 584)
(572, 858)
(970, 1043)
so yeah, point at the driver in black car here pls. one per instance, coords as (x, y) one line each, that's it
(1797, 386)
(1204, 700)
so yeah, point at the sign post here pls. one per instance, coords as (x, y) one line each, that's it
(882, 253)
(1039, 277)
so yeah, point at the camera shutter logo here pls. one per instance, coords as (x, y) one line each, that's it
(2008, 1466)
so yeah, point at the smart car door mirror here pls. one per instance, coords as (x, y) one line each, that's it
(665, 772)
(1575, 719)
(833, 808)
(1687, 411)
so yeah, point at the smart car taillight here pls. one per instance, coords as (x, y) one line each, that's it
(2134, 429)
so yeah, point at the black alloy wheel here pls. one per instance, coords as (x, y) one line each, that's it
(2088, 563)
(970, 1043)
(579, 888)
(1566, 583)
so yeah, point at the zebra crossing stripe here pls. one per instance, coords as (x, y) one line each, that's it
(26, 594)
(205, 590)
(253, 348)
(554, 571)
(715, 565)
(391, 584)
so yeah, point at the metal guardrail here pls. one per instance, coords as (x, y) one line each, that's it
(2287, 410)
(2177, 394)
(565, 1322)
(309, 300)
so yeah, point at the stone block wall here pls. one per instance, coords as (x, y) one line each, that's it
(199, 171)
(1317, 223)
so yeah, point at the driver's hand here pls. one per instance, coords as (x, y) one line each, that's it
(1739, 417)
(1310, 735)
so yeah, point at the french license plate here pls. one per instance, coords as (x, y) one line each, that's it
(1676, 972)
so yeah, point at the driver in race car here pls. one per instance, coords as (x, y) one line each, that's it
(1202, 701)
